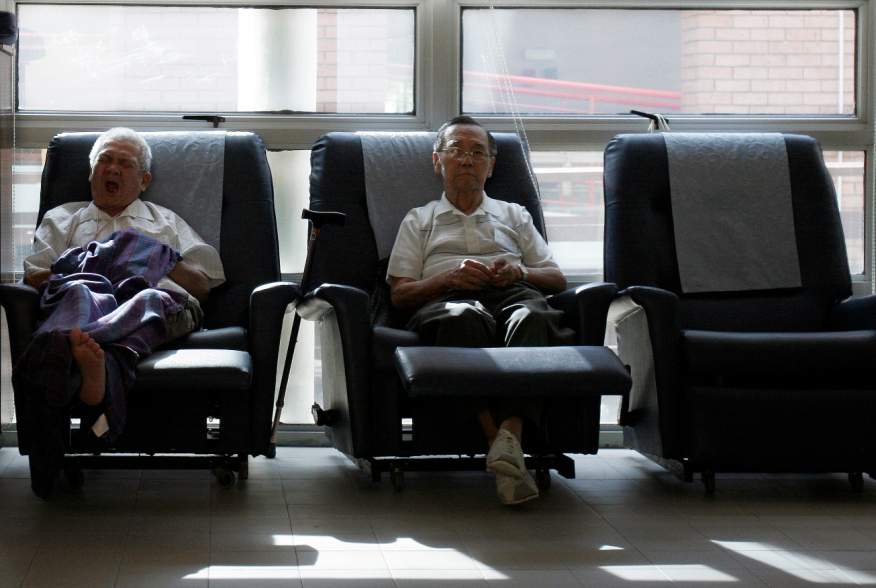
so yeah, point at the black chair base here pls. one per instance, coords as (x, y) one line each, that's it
(397, 466)
(226, 468)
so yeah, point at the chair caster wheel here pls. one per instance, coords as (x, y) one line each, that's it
(543, 479)
(74, 476)
(856, 479)
(397, 477)
(224, 476)
(271, 453)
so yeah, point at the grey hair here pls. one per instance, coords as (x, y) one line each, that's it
(441, 137)
(144, 153)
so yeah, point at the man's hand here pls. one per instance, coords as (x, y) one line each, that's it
(469, 275)
(505, 274)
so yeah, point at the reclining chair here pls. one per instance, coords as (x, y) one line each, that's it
(385, 407)
(224, 373)
(769, 372)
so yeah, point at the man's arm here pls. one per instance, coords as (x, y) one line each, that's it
(192, 279)
(36, 278)
(549, 280)
(50, 240)
(468, 275)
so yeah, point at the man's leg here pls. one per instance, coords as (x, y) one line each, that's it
(523, 318)
(459, 323)
(468, 323)
(531, 322)
(454, 323)
(89, 356)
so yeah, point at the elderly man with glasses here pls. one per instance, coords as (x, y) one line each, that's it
(474, 270)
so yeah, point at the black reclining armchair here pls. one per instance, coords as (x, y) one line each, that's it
(371, 417)
(763, 380)
(210, 393)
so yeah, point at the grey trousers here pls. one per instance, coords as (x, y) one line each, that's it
(517, 316)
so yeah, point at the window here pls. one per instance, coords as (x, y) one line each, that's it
(161, 58)
(599, 61)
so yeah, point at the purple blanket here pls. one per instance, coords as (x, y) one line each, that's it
(107, 289)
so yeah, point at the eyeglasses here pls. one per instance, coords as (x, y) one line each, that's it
(477, 155)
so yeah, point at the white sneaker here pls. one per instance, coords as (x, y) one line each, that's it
(513, 490)
(506, 456)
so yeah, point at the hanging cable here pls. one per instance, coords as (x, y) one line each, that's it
(508, 96)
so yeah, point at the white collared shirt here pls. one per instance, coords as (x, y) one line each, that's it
(77, 223)
(436, 237)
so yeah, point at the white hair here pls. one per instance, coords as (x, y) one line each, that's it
(144, 153)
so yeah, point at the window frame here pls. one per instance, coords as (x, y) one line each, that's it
(437, 95)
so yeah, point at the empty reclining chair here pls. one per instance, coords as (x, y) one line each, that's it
(224, 373)
(732, 247)
(395, 424)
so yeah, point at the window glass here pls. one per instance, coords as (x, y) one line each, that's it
(606, 61)
(847, 170)
(27, 172)
(571, 191)
(159, 58)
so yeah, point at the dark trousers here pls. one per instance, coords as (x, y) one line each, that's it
(517, 316)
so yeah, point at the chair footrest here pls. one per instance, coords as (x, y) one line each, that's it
(544, 372)
(180, 369)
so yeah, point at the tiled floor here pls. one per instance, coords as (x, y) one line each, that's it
(309, 518)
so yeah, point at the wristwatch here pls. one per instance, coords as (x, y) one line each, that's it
(524, 271)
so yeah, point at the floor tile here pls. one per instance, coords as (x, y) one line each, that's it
(310, 518)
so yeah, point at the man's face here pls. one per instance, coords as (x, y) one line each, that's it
(117, 179)
(464, 172)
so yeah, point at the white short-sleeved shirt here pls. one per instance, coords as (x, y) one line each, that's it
(436, 237)
(77, 223)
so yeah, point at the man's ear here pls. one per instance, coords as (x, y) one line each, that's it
(436, 163)
(144, 183)
(492, 166)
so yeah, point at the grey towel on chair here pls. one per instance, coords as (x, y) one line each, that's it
(732, 211)
(185, 177)
(398, 177)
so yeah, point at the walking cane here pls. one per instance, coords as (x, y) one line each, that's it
(316, 220)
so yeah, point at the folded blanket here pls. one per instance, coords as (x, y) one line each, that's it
(107, 290)
(732, 211)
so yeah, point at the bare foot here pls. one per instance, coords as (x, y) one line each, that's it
(89, 357)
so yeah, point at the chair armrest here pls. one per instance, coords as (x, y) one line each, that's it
(346, 341)
(585, 309)
(854, 314)
(267, 305)
(22, 305)
(657, 422)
